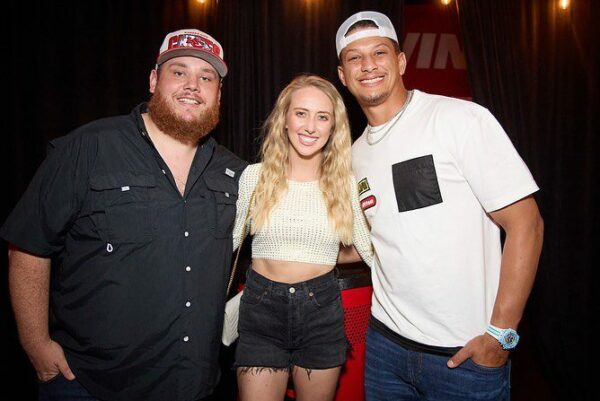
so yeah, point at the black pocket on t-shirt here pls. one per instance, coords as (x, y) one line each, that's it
(415, 183)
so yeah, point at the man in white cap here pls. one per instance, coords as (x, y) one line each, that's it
(438, 180)
(120, 248)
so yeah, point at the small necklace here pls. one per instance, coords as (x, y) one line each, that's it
(389, 125)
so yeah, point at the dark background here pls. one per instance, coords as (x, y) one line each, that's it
(534, 66)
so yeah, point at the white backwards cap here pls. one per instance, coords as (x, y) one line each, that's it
(384, 29)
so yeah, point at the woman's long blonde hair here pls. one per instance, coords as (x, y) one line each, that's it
(334, 172)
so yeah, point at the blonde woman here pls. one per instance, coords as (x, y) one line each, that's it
(305, 205)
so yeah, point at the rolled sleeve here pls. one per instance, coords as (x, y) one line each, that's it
(41, 218)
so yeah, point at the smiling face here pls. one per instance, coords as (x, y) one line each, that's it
(372, 70)
(309, 122)
(186, 97)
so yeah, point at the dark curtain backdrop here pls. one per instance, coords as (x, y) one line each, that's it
(535, 68)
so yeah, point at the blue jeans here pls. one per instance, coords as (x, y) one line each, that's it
(60, 389)
(394, 373)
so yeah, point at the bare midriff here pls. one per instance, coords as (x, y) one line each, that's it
(287, 272)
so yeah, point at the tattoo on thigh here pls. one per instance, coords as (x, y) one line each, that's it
(255, 370)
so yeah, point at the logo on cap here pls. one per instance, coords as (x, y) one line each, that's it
(195, 41)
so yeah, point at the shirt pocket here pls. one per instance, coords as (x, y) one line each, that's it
(416, 184)
(125, 200)
(224, 191)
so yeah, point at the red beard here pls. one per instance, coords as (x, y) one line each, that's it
(185, 131)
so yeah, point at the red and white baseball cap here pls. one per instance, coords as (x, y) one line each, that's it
(193, 43)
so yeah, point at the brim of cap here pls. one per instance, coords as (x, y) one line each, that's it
(210, 58)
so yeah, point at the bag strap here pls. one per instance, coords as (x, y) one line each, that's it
(237, 255)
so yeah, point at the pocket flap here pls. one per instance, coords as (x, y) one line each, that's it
(120, 180)
(222, 184)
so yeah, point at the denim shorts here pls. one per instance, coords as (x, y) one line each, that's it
(283, 325)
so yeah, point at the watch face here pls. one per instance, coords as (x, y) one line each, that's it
(509, 340)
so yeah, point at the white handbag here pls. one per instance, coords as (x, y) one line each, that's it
(232, 307)
(230, 324)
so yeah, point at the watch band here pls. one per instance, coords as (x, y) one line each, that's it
(494, 331)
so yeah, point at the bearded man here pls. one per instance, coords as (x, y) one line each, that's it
(121, 246)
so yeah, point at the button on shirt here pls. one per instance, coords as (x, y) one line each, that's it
(139, 271)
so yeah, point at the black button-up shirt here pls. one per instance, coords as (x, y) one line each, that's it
(139, 272)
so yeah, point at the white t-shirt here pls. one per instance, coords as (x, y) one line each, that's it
(425, 188)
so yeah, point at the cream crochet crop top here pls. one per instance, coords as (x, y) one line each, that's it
(298, 229)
